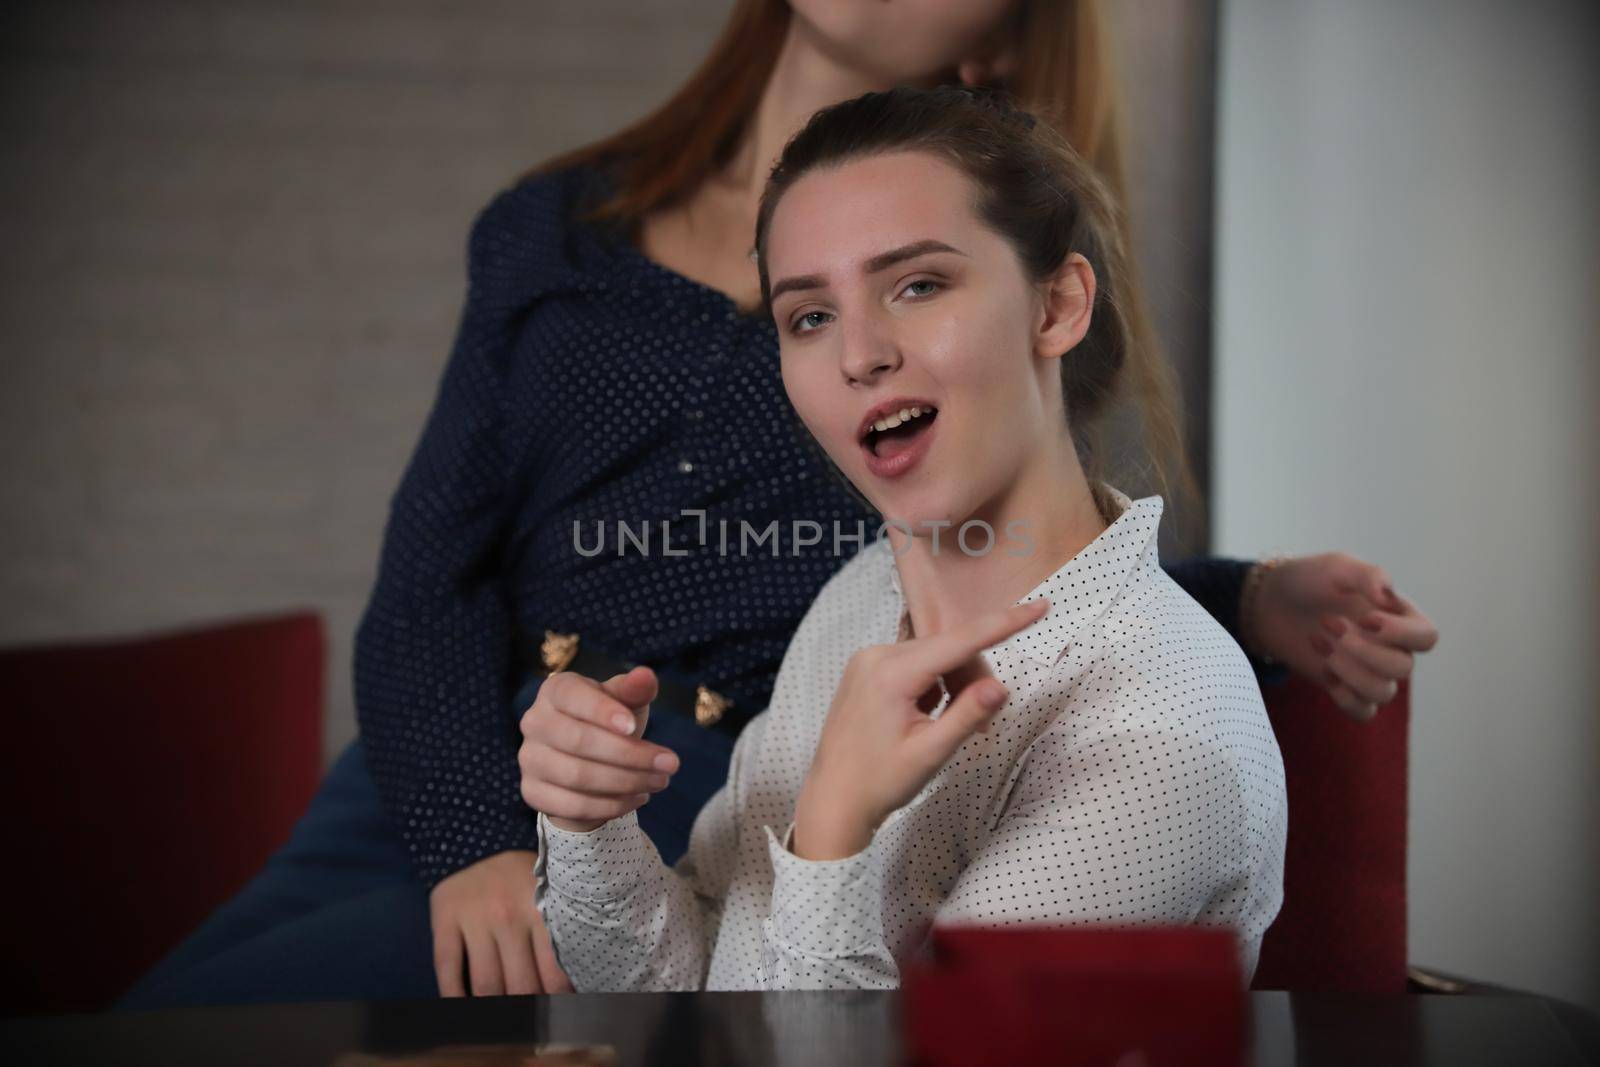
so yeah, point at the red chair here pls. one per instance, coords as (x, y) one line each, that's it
(1343, 922)
(147, 780)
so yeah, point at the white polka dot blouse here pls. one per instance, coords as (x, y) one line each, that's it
(1131, 779)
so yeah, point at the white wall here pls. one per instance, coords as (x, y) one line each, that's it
(1406, 352)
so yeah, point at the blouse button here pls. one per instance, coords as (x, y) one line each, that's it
(685, 467)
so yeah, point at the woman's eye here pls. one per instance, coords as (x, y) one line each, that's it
(933, 287)
(804, 323)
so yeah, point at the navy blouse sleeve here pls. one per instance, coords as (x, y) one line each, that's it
(432, 652)
(1216, 583)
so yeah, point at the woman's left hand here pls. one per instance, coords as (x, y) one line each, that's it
(879, 747)
(1337, 620)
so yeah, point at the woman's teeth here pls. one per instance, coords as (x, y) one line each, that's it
(897, 418)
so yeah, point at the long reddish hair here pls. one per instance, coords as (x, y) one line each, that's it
(1063, 73)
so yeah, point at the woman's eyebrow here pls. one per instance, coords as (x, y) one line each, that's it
(904, 252)
(878, 262)
(799, 281)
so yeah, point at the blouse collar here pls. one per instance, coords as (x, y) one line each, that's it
(1082, 590)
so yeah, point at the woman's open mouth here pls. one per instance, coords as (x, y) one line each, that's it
(894, 442)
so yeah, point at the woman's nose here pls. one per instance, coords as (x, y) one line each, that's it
(869, 351)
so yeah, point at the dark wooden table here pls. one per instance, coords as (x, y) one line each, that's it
(711, 1029)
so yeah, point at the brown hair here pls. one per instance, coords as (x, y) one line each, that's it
(1063, 71)
(1038, 193)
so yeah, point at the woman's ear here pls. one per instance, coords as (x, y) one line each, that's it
(1068, 307)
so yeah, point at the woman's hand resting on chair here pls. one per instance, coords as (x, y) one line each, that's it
(1337, 621)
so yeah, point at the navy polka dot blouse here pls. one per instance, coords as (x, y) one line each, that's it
(589, 386)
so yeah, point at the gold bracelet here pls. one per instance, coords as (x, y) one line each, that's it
(1249, 615)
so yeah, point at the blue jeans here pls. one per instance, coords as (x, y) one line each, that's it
(338, 912)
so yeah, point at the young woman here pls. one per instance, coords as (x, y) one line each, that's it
(946, 278)
(612, 364)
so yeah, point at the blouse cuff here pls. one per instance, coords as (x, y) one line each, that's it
(603, 864)
(826, 908)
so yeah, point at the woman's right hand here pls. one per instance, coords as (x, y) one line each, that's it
(1336, 620)
(583, 758)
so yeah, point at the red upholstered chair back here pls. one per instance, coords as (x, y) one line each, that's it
(1343, 922)
(144, 782)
